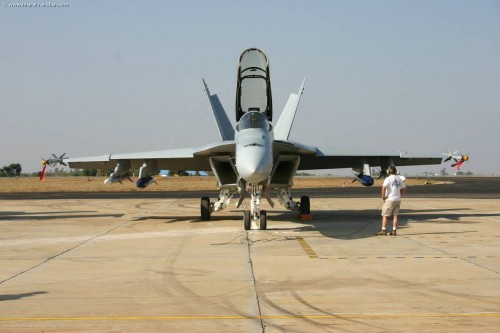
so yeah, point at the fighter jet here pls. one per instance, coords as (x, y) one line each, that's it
(255, 159)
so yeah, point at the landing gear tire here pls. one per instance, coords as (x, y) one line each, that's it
(247, 223)
(205, 208)
(305, 205)
(263, 220)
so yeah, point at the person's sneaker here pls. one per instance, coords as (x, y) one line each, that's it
(381, 233)
(393, 233)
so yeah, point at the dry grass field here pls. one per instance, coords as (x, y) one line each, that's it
(191, 183)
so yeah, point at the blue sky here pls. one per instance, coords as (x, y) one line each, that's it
(103, 77)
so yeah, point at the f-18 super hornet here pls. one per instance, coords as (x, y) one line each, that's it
(255, 159)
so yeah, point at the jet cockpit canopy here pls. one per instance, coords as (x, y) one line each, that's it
(253, 119)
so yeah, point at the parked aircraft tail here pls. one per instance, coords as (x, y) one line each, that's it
(285, 122)
(226, 130)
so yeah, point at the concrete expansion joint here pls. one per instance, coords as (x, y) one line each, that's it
(256, 291)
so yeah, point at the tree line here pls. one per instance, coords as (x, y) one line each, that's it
(12, 170)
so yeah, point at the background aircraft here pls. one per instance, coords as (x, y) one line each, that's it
(53, 161)
(255, 158)
(457, 157)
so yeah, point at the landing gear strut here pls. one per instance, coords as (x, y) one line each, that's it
(207, 207)
(255, 214)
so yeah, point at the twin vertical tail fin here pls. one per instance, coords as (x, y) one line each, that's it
(285, 122)
(283, 126)
(226, 130)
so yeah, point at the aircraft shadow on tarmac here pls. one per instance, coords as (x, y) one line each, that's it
(20, 216)
(356, 224)
(344, 224)
(169, 219)
(13, 297)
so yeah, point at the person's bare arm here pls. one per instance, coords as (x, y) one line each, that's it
(403, 190)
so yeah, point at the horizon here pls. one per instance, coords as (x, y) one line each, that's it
(103, 78)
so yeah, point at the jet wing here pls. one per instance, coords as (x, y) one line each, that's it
(338, 158)
(196, 159)
(313, 158)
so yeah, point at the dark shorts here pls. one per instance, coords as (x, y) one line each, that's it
(391, 208)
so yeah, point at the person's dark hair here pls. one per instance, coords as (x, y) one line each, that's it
(392, 170)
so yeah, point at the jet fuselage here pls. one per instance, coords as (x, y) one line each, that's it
(254, 147)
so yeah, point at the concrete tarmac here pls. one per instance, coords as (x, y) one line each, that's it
(87, 262)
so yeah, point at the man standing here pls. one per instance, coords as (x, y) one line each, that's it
(392, 191)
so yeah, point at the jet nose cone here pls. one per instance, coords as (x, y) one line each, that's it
(254, 168)
(253, 173)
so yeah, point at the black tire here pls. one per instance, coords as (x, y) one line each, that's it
(247, 223)
(305, 205)
(205, 208)
(263, 220)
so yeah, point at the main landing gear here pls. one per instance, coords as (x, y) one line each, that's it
(259, 217)
(305, 206)
(205, 209)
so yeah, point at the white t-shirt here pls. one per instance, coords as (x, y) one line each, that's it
(393, 184)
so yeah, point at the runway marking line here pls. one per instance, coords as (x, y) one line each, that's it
(411, 257)
(269, 317)
(307, 249)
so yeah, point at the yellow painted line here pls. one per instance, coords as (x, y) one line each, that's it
(270, 317)
(413, 257)
(307, 249)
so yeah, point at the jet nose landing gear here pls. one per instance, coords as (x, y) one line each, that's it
(261, 219)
